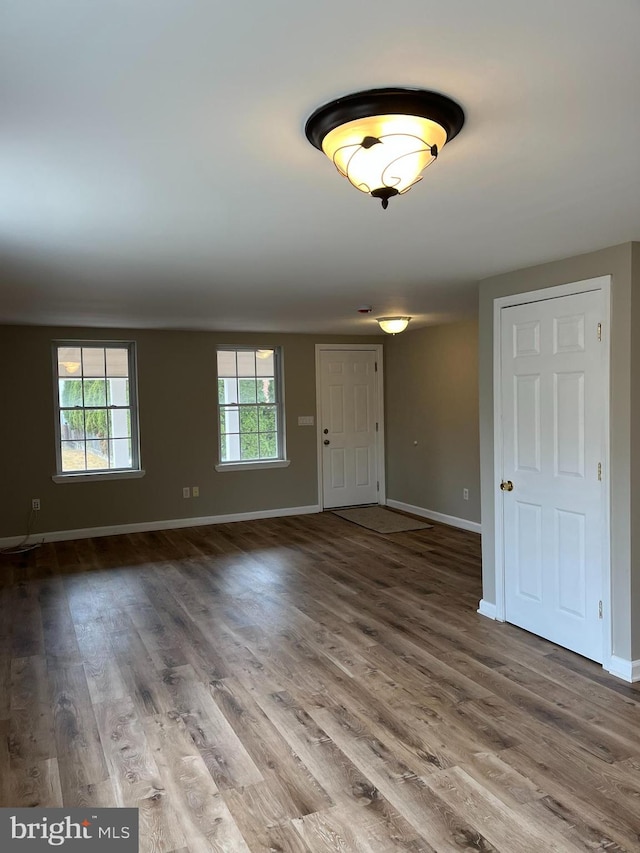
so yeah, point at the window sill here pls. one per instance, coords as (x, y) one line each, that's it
(253, 466)
(94, 476)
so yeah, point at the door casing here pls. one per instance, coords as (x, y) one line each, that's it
(602, 283)
(380, 462)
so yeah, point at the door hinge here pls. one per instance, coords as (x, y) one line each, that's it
(376, 366)
(378, 486)
(599, 331)
(599, 610)
(376, 426)
(599, 470)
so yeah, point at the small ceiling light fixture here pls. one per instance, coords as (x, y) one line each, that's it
(71, 366)
(393, 325)
(382, 140)
(264, 353)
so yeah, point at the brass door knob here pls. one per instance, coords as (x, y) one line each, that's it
(506, 486)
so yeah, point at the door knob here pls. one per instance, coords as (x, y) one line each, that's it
(506, 486)
(326, 441)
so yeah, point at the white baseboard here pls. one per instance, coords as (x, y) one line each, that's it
(147, 526)
(486, 608)
(462, 523)
(627, 670)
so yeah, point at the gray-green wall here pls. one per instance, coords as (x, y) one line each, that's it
(177, 398)
(431, 397)
(624, 423)
(634, 520)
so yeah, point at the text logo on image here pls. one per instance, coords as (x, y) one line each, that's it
(74, 830)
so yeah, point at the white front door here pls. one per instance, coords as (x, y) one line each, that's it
(348, 427)
(553, 409)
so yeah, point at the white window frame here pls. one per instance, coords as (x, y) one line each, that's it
(99, 473)
(281, 460)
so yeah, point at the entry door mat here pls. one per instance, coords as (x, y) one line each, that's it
(380, 519)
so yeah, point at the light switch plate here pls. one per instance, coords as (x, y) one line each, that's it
(306, 420)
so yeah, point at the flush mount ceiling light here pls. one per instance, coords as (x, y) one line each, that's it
(382, 140)
(393, 325)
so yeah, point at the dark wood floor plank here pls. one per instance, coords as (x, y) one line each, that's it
(35, 784)
(5, 685)
(6, 788)
(303, 685)
(246, 667)
(565, 780)
(495, 775)
(607, 724)
(261, 814)
(504, 827)
(101, 794)
(603, 692)
(337, 775)
(131, 764)
(104, 679)
(225, 755)
(80, 754)
(199, 810)
(172, 612)
(289, 781)
(135, 775)
(415, 742)
(282, 663)
(594, 739)
(27, 638)
(142, 680)
(59, 635)
(585, 829)
(31, 736)
(429, 815)
(357, 831)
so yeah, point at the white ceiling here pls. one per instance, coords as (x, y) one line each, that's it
(154, 170)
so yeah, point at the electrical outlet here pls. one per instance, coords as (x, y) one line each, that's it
(186, 492)
(35, 504)
(465, 494)
(195, 491)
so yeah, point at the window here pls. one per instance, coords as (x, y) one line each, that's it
(249, 405)
(96, 407)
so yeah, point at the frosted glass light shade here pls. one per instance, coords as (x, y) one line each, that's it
(393, 325)
(384, 151)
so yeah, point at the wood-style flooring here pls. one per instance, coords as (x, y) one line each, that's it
(302, 685)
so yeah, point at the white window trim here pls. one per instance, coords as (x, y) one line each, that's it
(108, 473)
(255, 464)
